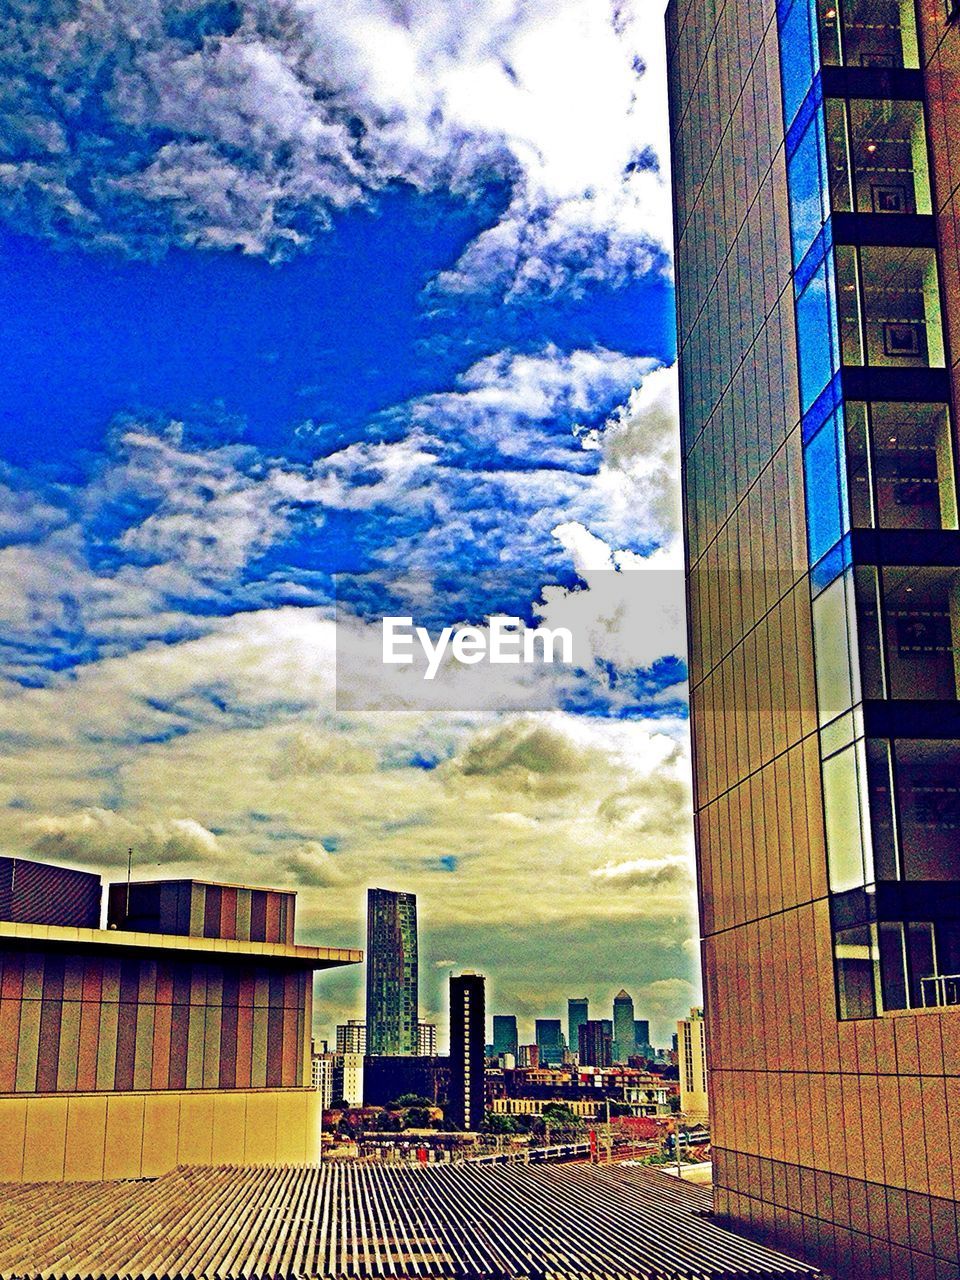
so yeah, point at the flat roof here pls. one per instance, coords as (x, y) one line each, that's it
(209, 884)
(542, 1222)
(171, 944)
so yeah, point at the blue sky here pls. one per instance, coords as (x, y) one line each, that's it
(369, 290)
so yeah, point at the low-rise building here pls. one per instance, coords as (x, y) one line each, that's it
(124, 1053)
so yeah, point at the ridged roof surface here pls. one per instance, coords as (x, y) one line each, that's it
(560, 1222)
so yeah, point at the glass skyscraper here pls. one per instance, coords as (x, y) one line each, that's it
(624, 1031)
(816, 164)
(505, 1039)
(549, 1039)
(392, 979)
(578, 1011)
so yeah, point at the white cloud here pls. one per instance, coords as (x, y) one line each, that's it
(102, 837)
(148, 122)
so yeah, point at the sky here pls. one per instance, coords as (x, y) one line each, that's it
(313, 312)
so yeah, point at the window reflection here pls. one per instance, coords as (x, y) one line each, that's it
(849, 853)
(834, 639)
(808, 188)
(868, 33)
(816, 332)
(877, 153)
(798, 57)
(826, 489)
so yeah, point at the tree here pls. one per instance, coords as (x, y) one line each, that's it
(417, 1118)
(495, 1123)
(411, 1100)
(559, 1116)
(388, 1122)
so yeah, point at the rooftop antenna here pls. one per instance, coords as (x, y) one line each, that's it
(129, 869)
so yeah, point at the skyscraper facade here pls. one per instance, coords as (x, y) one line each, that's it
(641, 1035)
(815, 171)
(467, 1050)
(392, 990)
(352, 1036)
(505, 1034)
(624, 1034)
(594, 1045)
(692, 1062)
(577, 1014)
(549, 1041)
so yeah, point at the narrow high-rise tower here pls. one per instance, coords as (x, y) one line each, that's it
(505, 1038)
(467, 1047)
(578, 1011)
(624, 1030)
(816, 172)
(392, 994)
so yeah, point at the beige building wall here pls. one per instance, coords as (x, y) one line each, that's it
(91, 1136)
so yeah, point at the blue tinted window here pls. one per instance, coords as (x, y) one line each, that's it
(826, 489)
(816, 337)
(798, 59)
(807, 184)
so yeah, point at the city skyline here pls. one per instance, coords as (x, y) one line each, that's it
(424, 368)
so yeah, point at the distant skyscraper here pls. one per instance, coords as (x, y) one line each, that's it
(322, 1068)
(624, 1038)
(468, 1021)
(593, 1041)
(504, 1034)
(549, 1041)
(352, 1036)
(528, 1056)
(641, 1037)
(427, 1039)
(693, 1064)
(577, 1014)
(392, 996)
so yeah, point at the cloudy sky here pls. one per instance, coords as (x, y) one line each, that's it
(314, 311)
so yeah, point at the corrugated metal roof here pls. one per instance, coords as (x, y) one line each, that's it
(562, 1222)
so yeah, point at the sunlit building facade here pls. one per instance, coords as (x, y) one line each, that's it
(125, 1052)
(815, 171)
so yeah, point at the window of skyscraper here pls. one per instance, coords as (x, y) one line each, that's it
(889, 306)
(900, 466)
(868, 33)
(877, 156)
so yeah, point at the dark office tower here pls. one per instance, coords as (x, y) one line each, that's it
(593, 1044)
(815, 171)
(392, 999)
(641, 1036)
(624, 1036)
(467, 1034)
(549, 1041)
(577, 1014)
(505, 1038)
